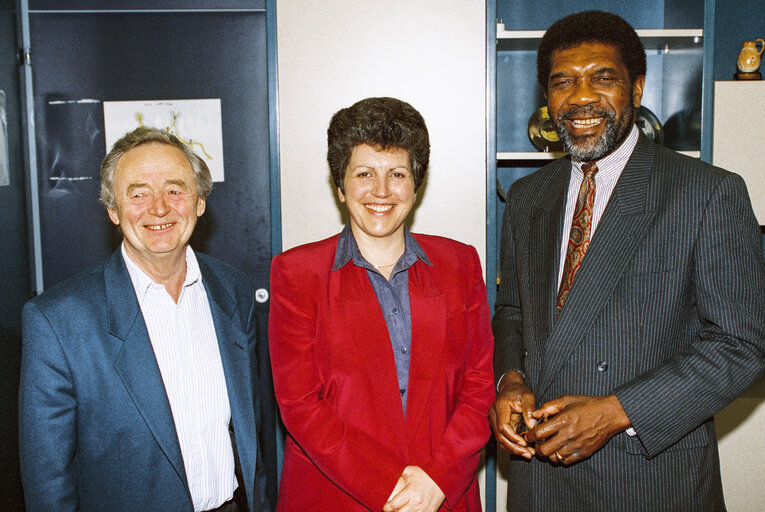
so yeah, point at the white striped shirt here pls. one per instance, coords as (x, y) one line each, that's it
(186, 347)
(610, 167)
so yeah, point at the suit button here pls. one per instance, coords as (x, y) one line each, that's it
(602, 366)
(524, 353)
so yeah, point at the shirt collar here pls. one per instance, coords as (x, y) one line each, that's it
(348, 250)
(612, 165)
(142, 282)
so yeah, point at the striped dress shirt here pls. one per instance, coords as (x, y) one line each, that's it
(186, 347)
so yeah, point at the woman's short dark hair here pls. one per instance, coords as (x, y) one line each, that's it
(383, 123)
(591, 27)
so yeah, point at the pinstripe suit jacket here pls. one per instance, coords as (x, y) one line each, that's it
(667, 313)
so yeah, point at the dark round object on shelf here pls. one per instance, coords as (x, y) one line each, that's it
(542, 132)
(649, 124)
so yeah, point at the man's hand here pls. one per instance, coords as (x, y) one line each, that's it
(514, 402)
(577, 427)
(419, 493)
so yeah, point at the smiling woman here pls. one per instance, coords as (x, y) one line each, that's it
(380, 339)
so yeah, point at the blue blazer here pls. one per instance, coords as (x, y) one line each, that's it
(96, 429)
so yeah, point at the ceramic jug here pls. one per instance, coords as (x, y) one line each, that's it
(749, 56)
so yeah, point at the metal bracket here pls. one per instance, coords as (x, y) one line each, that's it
(24, 57)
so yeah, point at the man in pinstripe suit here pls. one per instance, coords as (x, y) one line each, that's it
(138, 376)
(619, 375)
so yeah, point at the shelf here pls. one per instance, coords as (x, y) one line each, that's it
(653, 39)
(513, 156)
(528, 155)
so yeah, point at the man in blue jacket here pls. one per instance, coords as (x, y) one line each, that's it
(138, 376)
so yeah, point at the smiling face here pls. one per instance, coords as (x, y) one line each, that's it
(379, 192)
(156, 204)
(591, 99)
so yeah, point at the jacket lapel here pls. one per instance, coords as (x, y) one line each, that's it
(237, 369)
(135, 362)
(544, 239)
(351, 292)
(428, 306)
(620, 231)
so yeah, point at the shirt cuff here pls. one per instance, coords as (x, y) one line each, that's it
(631, 432)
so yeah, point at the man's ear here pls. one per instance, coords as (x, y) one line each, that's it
(637, 90)
(113, 216)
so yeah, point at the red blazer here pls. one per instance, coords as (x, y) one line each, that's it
(335, 379)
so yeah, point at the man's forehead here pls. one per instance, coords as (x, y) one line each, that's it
(154, 158)
(587, 51)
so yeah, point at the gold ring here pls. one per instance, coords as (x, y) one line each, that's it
(560, 459)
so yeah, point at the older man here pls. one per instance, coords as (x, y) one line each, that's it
(137, 381)
(632, 303)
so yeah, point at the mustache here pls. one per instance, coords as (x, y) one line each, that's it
(586, 111)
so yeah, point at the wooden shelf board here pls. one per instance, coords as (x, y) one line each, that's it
(653, 39)
(510, 156)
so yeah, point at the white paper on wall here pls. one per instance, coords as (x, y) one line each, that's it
(196, 122)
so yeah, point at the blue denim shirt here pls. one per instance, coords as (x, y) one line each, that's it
(392, 295)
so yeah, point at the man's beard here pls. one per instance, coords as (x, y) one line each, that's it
(586, 148)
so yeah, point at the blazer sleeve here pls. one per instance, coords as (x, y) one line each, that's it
(345, 454)
(258, 353)
(507, 321)
(727, 357)
(454, 461)
(47, 418)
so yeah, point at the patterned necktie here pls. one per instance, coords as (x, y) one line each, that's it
(581, 225)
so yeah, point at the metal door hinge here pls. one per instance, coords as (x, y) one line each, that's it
(24, 57)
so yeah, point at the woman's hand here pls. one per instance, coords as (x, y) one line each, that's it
(415, 491)
(399, 485)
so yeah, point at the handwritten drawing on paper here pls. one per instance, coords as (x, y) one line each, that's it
(196, 122)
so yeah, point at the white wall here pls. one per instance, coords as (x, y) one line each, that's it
(742, 451)
(432, 55)
(739, 426)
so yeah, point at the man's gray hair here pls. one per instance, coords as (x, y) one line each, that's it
(144, 135)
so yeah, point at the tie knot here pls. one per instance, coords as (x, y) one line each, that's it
(589, 168)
